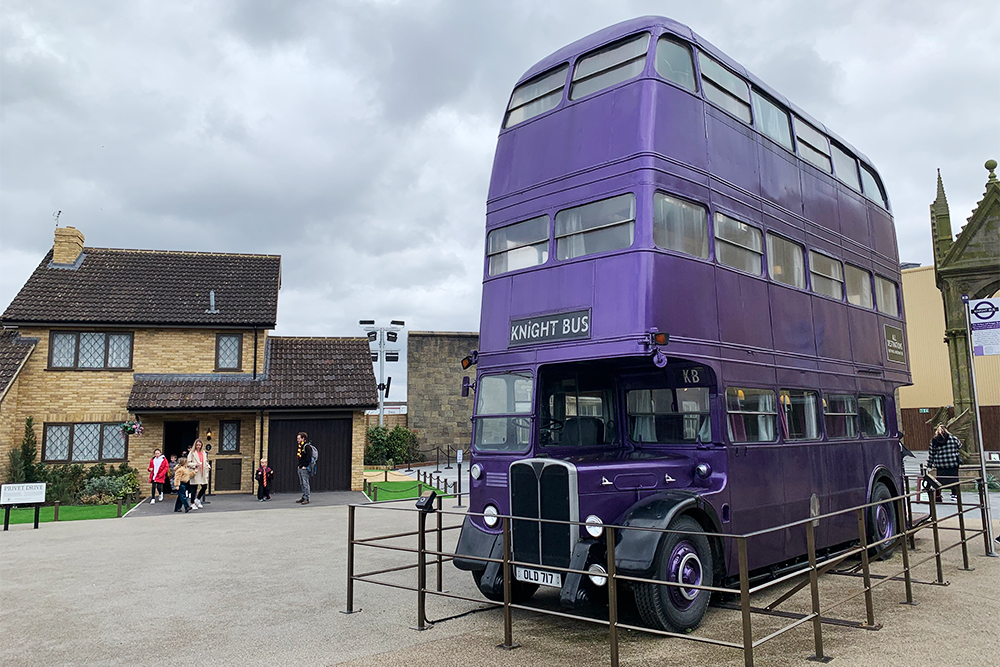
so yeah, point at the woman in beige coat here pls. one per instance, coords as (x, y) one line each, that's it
(199, 465)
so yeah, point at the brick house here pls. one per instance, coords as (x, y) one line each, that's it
(179, 341)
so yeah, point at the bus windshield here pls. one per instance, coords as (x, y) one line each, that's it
(503, 412)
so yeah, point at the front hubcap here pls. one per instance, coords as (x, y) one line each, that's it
(684, 568)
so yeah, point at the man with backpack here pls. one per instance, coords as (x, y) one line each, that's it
(305, 465)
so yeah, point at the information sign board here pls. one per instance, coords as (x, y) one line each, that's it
(22, 494)
(984, 321)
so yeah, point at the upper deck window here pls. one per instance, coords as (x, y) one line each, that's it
(846, 167)
(536, 96)
(886, 298)
(772, 120)
(499, 399)
(518, 246)
(613, 64)
(859, 287)
(663, 416)
(725, 88)
(787, 261)
(873, 187)
(814, 147)
(826, 275)
(680, 226)
(737, 244)
(601, 226)
(751, 414)
(674, 62)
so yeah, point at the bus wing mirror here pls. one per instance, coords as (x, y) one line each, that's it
(466, 386)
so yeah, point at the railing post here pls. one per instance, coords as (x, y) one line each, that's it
(814, 592)
(119, 507)
(458, 488)
(937, 538)
(612, 595)
(421, 571)
(961, 532)
(374, 493)
(448, 459)
(906, 559)
(741, 545)
(508, 621)
(55, 511)
(437, 459)
(420, 489)
(986, 518)
(867, 575)
(351, 509)
(440, 532)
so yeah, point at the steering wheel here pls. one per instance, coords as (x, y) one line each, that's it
(521, 422)
(550, 423)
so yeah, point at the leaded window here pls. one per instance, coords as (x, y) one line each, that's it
(679, 225)
(90, 350)
(228, 352)
(600, 226)
(859, 286)
(826, 275)
(725, 88)
(612, 64)
(738, 244)
(518, 246)
(536, 96)
(230, 440)
(84, 442)
(787, 261)
(674, 62)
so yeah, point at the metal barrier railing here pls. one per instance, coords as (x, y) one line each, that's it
(808, 572)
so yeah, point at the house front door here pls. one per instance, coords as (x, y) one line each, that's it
(178, 436)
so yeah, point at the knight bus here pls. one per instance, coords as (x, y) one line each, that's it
(691, 321)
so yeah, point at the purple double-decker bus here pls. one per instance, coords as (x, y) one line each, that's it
(690, 320)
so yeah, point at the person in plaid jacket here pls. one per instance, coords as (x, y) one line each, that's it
(945, 457)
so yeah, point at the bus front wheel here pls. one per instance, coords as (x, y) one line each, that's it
(684, 557)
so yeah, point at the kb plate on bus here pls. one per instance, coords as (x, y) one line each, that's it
(538, 577)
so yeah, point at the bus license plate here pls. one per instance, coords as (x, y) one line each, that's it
(538, 577)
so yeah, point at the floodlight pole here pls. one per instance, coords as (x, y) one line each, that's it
(369, 326)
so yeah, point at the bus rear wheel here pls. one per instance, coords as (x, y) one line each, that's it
(685, 559)
(883, 524)
(519, 590)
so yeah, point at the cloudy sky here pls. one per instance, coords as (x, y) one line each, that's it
(355, 139)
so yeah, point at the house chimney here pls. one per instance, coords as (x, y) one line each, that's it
(68, 245)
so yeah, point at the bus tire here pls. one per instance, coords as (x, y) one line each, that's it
(519, 590)
(882, 523)
(680, 558)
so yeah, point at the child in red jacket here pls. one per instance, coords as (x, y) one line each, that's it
(158, 467)
(264, 475)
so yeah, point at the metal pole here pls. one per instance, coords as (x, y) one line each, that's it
(508, 629)
(937, 537)
(6, 517)
(459, 495)
(448, 458)
(119, 507)
(814, 591)
(982, 508)
(961, 531)
(55, 511)
(908, 521)
(440, 533)
(979, 432)
(906, 561)
(421, 570)
(38, 509)
(437, 459)
(350, 561)
(381, 375)
(612, 596)
(869, 603)
(745, 601)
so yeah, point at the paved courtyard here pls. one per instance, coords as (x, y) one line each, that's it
(266, 586)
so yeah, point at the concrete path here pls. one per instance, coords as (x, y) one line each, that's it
(235, 502)
(266, 586)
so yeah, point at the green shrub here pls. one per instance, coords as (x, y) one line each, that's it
(376, 447)
(21, 464)
(106, 486)
(398, 446)
(63, 482)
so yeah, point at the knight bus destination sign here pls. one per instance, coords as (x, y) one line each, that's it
(574, 325)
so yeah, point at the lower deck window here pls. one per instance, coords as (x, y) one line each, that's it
(840, 416)
(665, 416)
(799, 414)
(81, 443)
(752, 414)
(872, 412)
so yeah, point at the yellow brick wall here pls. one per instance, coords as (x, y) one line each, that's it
(102, 396)
(358, 436)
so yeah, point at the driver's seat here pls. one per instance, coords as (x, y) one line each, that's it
(583, 431)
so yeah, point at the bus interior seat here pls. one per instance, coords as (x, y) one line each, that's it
(583, 431)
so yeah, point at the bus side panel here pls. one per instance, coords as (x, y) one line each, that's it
(830, 324)
(619, 308)
(803, 478)
(866, 339)
(854, 218)
(494, 322)
(756, 480)
(732, 151)
(680, 128)
(792, 320)
(883, 233)
(684, 299)
(744, 317)
(819, 198)
(844, 485)
(779, 177)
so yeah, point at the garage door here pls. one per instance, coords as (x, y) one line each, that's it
(332, 437)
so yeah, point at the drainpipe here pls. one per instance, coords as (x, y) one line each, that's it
(255, 352)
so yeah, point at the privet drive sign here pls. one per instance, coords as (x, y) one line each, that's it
(22, 494)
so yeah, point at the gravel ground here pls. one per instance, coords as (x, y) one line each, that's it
(266, 586)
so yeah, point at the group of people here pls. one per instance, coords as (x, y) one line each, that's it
(187, 475)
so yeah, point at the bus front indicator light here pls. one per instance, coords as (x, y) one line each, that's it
(703, 470)
(476, 471)
(595, 527)
(491, 516)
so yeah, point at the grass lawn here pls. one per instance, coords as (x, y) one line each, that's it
(66, 513)
(398, 490)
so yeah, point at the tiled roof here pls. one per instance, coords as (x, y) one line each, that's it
(111, 286)
(299, 373)
(14, 350)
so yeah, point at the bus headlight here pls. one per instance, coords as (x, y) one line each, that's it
(598, 575)
(595, 527)
(476, 471)
(491, 516)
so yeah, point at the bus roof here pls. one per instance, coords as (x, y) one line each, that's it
(607, 35)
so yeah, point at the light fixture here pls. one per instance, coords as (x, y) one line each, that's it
(208, 434)
(366, 323)
(595, 527)
(397, 323)
(491, 516)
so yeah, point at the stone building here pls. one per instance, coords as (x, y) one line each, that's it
(436, 410)
(179, 341)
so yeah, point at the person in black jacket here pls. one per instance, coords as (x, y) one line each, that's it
(305, 459)
(945, 457)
